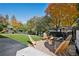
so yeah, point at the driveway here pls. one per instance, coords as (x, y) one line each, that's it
(9, 47)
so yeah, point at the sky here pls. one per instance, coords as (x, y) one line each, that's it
(23, 11)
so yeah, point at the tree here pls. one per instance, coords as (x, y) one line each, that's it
(22, 27)
(31, 24)
(46, 20)
(62, 14)
(7, 19)
(15, 23)
(38, 24)
(43, 23)
(3, 21)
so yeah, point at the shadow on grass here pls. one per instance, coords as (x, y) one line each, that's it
(1, 36)
(28, 41)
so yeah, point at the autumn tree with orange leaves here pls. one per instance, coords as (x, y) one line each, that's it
(62, 14)
(15, 23)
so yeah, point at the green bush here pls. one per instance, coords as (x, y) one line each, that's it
(1, 27)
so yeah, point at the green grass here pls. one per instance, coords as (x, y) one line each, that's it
(22, 38)
(36, 38)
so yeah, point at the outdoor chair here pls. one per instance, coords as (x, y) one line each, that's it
(63, 46)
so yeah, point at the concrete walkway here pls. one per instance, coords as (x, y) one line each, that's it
(30, 51)
(40, 46)
(9, 47)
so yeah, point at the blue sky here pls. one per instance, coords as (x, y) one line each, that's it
(23, 11)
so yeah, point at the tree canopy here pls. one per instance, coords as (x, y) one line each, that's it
(62, 14)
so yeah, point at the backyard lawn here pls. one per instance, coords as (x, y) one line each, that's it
(22, 38)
